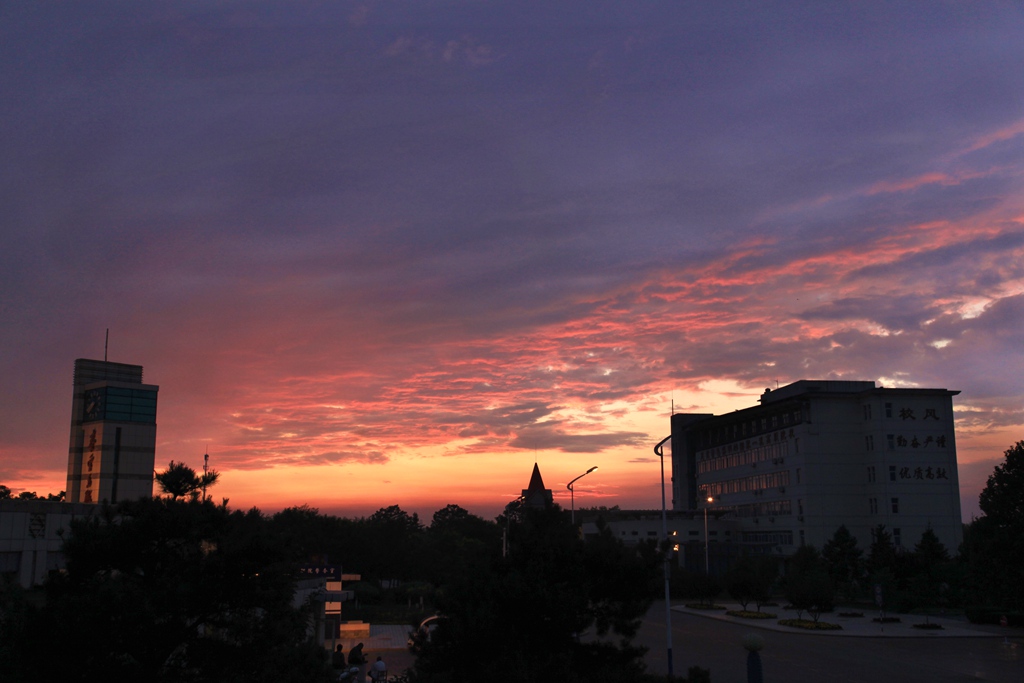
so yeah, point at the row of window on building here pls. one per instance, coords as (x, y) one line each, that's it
(767, 536)
(785, 537)
(767, 508)
(725, 457)
(675, 534)
(739, 430)
(756, 482)
(784, 507)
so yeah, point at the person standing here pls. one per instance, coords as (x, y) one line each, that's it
(338, 658)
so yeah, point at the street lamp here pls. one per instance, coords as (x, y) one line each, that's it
(706, 563)
(206, 467)
(508, 516)
(658, 451)
(572, 495)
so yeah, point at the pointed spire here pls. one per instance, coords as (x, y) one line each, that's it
(536, 495)
(536, 481)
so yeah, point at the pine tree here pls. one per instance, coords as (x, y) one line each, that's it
(844, 562)
(1002, 499)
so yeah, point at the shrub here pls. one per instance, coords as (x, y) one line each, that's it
(698, 675)
(810, 625)
(811, 592)
(747, 614)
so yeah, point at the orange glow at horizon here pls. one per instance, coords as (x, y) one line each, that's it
(461, 419)
(396, 257)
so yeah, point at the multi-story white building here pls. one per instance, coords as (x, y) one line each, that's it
(815, 455)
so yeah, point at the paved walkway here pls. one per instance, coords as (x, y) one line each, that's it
(382, 637)
(860, 626)
(389, 641)
(793, 654)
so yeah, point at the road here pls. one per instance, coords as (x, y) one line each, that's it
(715, 645)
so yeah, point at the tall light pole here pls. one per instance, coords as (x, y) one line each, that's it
(658, 451)
(508, 516)
(707, 564)
(572, 495)
(206, 468)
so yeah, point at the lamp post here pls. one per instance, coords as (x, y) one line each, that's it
(508, 516)
(206, 467)
(572, 495)
(707, 564)
(658, 451)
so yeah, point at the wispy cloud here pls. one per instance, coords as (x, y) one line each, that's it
(434, 241)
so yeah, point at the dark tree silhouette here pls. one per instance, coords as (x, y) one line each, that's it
(520, 617)
(929, 585)
(396, 518)
(929, 551)
(843, 562)
(812, 592)
(457, 519)
(163, 590)
(751, 579)
(458, 543)
(1002, 499)
(181, 481)
(7, 494)
(808, 586)
(994, 543)
(178, 480)
(882, 554)
(395, 538)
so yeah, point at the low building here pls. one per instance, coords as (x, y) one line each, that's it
(699, 542)
(32, 535)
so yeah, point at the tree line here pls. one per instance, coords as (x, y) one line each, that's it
(7, 494)
(182, 589)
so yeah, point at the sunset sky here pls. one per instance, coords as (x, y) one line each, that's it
(380, 253)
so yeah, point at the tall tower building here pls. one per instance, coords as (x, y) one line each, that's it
(112, 448)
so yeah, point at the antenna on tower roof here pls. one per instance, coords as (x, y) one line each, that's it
(206, 468)
(106, 341)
